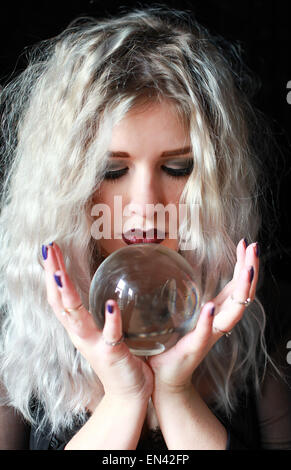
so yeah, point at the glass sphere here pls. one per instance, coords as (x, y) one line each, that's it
(156, 291)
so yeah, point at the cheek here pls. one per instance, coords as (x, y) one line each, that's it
(114, 196)
(173, 188)
(104, 198)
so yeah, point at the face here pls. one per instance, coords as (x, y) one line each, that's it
(149, 163)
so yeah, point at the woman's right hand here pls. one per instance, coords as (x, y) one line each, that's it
(123, 375)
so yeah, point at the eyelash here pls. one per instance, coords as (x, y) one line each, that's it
(114, 174)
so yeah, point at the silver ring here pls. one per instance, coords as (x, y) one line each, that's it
(225, 333)
(241, 302)
(113, 343)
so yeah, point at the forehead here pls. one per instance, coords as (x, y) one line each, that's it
(158, 122)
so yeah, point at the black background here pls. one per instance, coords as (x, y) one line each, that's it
(262, 27)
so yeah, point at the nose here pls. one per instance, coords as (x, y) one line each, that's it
(144, 191)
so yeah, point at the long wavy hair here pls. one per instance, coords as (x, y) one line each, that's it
(57, 117)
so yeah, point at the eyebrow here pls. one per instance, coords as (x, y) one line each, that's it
(167, 153)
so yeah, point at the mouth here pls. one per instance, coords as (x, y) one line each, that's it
(140, 236)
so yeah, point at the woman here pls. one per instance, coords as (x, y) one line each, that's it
(144, 107)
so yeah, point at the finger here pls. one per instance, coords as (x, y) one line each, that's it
(197, 340)
(252, 259)
(51, 265)
(75, 317)
(241, 255)
(240, 263)
(233, 310)
(112, 331)
(59, 256)
(70, 296)
(62, 294)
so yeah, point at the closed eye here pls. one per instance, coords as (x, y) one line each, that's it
(114, 174)
(175, 172)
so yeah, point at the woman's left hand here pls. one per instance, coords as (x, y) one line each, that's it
(174, 368)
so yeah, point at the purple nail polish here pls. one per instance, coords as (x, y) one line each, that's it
(58, 280)
(257, 250)
(246, 243)
(110, 308)
(252, 272)
(211, 313)
(44, 251)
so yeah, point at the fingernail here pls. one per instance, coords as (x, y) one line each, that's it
(44, 251)
(110, 308)
(58, 280)
(252, 272)
(257, 250)
(51, 244)
(211, 313)
(246, 243)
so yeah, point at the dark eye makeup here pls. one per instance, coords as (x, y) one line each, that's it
(175, 172)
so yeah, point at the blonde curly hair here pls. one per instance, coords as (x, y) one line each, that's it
(57, 118)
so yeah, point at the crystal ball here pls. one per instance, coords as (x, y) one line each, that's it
(156, 290)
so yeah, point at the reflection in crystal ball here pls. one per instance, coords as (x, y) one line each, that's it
(156, 291)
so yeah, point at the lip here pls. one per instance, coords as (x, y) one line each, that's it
(140, 237)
